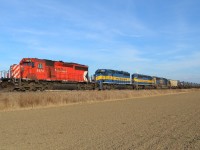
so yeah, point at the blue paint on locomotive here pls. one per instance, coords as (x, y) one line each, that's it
(112, 76)
(161, 81)
(139, 79)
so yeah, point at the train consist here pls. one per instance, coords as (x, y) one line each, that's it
(33, 74)
(109, 79)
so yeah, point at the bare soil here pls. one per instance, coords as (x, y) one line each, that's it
(162, 122)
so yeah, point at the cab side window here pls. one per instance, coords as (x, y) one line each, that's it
(40, 66)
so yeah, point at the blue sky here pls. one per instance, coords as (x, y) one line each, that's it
(153, 37)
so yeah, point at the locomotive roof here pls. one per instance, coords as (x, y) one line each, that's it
(141, 75)
(53, 61)
(68, 63)
(159, 77)
(114, 70)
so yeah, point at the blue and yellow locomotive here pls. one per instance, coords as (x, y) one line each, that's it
(161, 83)
(111, 79)
(140, 81)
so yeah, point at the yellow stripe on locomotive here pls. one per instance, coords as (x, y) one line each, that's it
(143, 81)
(114, 78)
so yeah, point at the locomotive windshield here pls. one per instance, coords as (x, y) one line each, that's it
(100, 71)
(28, 64)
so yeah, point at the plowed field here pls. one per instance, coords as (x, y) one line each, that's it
(162, 122)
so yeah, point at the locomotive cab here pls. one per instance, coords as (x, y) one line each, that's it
(32, 69)
(27, 63)
(100, 75)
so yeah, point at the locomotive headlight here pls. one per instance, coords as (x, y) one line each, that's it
(28, 60)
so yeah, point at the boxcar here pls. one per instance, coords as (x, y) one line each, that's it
(173, 84)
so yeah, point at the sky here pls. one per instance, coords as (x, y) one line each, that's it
(153, 37)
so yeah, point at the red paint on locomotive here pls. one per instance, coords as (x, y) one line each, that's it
(41, 69)
(15, 71)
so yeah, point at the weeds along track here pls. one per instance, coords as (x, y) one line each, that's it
(16, 100)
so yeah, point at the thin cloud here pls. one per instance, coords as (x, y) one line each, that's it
(24, 31)
(158, 39)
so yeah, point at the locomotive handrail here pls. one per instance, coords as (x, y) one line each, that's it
(5, 74)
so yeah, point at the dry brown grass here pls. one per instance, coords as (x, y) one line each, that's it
(12, 101)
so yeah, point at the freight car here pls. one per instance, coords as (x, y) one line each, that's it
(187, 85)
(173, 84)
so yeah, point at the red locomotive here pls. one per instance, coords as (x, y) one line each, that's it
(48, 70)
(41, 74)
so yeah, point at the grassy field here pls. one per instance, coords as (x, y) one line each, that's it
(20, 100)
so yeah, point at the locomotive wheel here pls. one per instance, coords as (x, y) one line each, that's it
(32, 86)
(109, 87)
(81, 87)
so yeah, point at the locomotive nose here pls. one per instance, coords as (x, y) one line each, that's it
(85, 76)
(15, 71)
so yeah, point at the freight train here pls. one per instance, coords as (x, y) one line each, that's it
(33, 74)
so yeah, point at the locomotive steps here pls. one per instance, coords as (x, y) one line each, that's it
(15, 101)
